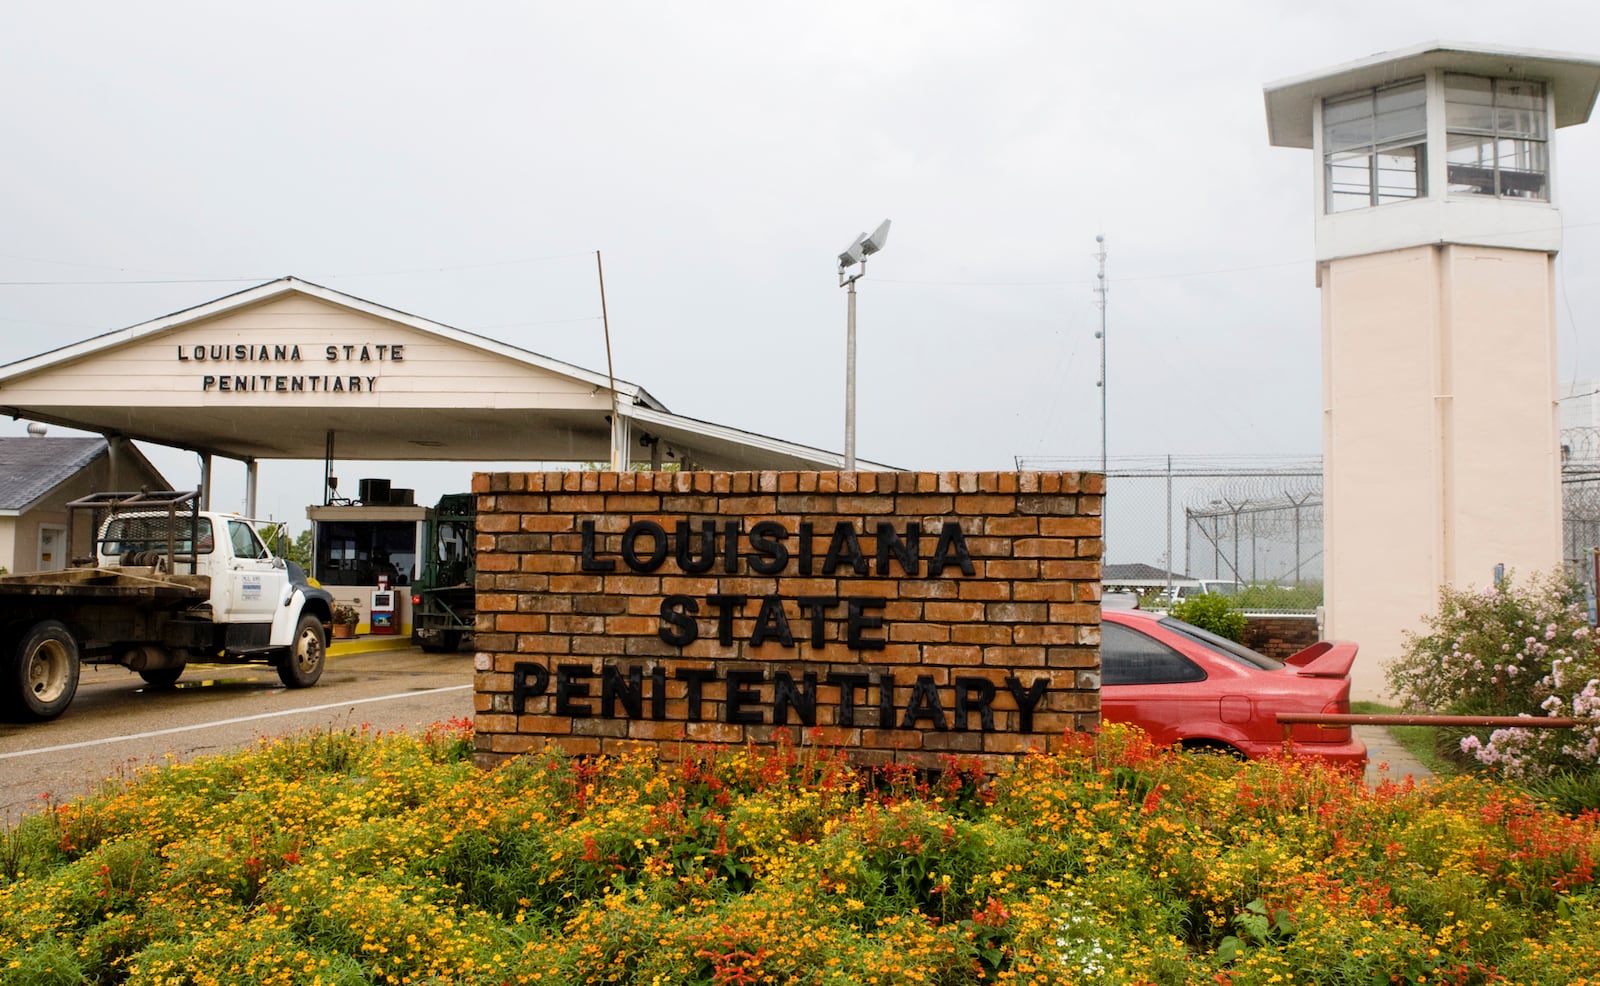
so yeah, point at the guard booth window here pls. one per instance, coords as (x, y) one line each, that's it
(356, 553)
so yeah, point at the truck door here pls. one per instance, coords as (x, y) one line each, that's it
(257, 580)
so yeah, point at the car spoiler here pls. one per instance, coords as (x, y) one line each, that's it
(1326, 659)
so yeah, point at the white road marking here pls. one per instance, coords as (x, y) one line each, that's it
(230, 722)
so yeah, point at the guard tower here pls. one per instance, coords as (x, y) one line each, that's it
(1436, 232)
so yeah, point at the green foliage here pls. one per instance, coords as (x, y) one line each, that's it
(1569, 791)
(1258, 926)
(1268, 597)
(352, 858)
(298, 550)
(1509, 650)
(636, 466)
(1213, 612)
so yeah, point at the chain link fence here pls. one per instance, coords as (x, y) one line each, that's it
(1175, 525)
(1580, 504)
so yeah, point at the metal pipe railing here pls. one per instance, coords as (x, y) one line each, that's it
(1291, 719)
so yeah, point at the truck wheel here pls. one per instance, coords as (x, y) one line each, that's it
(41, 673)
(302, 666)
(162, 677)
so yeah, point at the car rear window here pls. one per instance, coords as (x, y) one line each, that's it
(1128, 657)
(1222, 645)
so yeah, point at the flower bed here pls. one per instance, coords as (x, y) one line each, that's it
(349, 858)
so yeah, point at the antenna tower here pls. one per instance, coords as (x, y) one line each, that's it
(1100, 289)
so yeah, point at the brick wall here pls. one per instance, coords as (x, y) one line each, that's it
(901, 615)
(1281, 636)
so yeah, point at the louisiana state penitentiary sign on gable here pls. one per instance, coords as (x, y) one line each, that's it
(901, 615)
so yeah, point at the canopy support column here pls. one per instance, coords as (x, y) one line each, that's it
(205, 480)
(327, 470)
(621, 461)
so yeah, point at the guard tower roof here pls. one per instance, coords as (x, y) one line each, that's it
(1574, 81)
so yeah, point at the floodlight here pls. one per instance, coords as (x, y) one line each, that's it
(855, 252)
(877, 240)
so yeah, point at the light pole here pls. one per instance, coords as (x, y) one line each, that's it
(857, 252)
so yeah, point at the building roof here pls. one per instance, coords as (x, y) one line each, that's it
(1574, 81)
(1138, 572)
(457, 396)
(31, 467)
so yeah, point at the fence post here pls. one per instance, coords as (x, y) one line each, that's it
(1168, 565)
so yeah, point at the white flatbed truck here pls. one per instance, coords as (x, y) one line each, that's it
(164, 585)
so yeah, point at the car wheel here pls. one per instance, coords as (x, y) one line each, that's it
(302, 666)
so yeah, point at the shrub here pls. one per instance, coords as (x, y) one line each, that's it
(1510, 650)
(1212, 612)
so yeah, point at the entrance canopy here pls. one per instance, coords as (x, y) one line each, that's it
(293, 370)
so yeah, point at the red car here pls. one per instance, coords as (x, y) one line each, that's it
(1186, 686)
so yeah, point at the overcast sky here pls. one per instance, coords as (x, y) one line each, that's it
(463, 162)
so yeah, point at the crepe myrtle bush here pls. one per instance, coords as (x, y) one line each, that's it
(1510, 649)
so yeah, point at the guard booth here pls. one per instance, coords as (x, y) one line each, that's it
(364, 551)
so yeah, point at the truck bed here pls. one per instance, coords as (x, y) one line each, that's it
(108, 585)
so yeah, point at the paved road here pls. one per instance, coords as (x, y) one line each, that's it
(116, 724)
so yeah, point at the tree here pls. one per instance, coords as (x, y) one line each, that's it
(297, 551)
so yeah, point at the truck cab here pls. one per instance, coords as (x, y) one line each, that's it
(247, 583)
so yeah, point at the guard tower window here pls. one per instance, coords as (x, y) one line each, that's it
(1374, 146)
(1497, 137)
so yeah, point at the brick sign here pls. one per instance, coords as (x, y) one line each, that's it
(901, 615)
